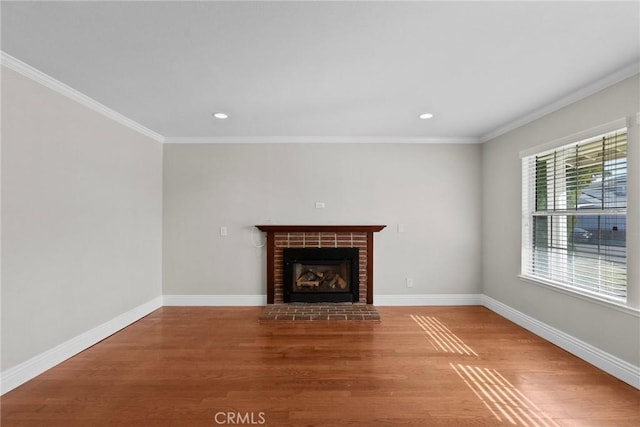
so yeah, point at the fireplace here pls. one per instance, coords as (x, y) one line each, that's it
(281, 237)
(321, 274)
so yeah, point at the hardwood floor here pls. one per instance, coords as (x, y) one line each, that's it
(419, 366)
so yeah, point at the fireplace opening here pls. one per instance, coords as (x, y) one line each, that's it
(321, 275)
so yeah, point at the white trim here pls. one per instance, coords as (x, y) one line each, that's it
(82, 99)
(319, 140)
(214, 300)
(17, 375)
(590, 89)
(427, 299)
(14, 377)
(48, 81)
(576, 137)
(613, 365)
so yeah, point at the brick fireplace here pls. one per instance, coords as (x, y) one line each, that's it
(359, 237)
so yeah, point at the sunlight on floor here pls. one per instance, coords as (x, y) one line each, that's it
(504, 401)
(441, 337)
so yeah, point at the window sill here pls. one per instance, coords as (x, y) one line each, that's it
(557, 287)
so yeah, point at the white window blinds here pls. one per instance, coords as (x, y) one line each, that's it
(574, 216)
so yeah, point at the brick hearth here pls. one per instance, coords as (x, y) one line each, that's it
(301, 311)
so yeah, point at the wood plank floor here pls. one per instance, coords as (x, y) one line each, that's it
(419, 366)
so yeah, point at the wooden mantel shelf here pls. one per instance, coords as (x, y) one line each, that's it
(321, 228)
(272, 229)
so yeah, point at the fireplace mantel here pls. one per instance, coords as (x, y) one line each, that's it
(321, 228)
(274, 230)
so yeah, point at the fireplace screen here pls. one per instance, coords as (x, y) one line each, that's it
(321, 275)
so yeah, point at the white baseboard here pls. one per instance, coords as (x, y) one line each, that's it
(613, 365)
(214, 300)
(260, 300)
(20, 374)
(13, 377)
(427, 299)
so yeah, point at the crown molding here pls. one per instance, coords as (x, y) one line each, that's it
(318, 140)
(602, 129)
(616, 77)
(56, 85)
(51, 83)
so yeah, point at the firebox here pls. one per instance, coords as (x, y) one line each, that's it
(321, 275)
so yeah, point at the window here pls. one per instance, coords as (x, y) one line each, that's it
(574, 216)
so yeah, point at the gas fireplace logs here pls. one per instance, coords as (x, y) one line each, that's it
(314, 279)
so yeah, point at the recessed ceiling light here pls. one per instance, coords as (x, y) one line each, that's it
(425, 116)
(220, 115)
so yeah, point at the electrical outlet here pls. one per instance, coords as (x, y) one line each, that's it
(409, 282)
(319, 205)
(223, 231)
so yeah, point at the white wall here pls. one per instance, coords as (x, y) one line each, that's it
(614, 331)
(83, 234)
(81, 219)
(434, 190)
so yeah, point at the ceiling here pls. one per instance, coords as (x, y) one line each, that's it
(325, 69)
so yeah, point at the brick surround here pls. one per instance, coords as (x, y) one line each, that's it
(319, 236)
(319, 240)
